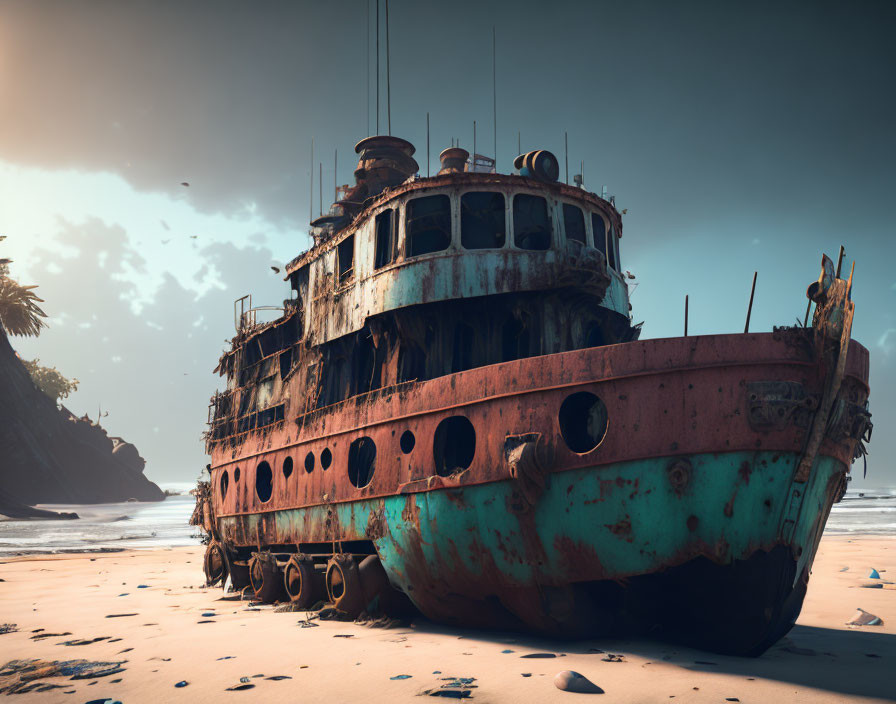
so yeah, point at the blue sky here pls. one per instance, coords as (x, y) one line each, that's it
(738, 137)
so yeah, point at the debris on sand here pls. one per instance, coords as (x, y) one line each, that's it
(454, 688)
(19, 676)
(569, 681)
(863, 618)
(8, 628)
(874, 574)
(612, 657)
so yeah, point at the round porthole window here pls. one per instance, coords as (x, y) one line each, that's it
(236, 474)
(225, 481)
(287, 467)
(361, 462)
(454, 445)
(583, 421)
(264, 482)
(309, 462)
(326, 458)
(407, 441)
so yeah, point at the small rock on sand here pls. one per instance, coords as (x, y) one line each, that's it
(570, 681)
(873, 574)
(863, 618)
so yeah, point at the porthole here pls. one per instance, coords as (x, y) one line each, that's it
(309, 462)
(361, 462)
(407, 441)
(326, 458)
(264, 482)
(583, 421)
(236, 474)
(225, 481)
(454, 445)
(287, 467)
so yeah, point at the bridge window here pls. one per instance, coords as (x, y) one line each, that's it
(385, 239)
(346, 250)
(428, 225)
(531, 225)
(599, 233)
(613, 249)
(482, 224)
(574, 221)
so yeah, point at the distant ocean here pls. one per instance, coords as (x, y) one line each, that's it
(103, 527)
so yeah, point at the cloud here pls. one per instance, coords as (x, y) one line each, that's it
(152, 370)
(887, 341)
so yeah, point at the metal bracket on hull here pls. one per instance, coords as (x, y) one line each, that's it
(833, 318)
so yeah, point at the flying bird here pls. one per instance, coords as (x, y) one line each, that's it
(275, 269)
(165, 241)
(184, 183)
(193, 237)
(629, 274)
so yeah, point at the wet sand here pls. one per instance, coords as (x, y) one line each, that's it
(156, 619)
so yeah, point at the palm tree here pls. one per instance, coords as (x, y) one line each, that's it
(19, 313)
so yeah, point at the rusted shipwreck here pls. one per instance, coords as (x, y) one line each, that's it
(454, 408)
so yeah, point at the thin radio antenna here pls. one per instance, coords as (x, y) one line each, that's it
(335, 186)
(367, 107)
(519, 143)
(311, 186)
(473, 163)
(320, 190)
(377, 66)
(388, 78)
(427, 145)
(566, 153)
(495, 95)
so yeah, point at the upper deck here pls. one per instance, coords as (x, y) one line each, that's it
(459, 235)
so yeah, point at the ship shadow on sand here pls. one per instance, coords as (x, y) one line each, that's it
(849, 662)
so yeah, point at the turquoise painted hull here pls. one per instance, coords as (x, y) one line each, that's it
(451, 549)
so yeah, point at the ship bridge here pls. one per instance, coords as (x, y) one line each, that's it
(414, 278)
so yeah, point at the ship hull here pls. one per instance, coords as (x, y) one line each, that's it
(458, 554)
(691, 512)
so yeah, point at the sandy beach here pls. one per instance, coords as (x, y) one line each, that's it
(147, 616)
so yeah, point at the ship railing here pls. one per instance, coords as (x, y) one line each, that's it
(245, 315)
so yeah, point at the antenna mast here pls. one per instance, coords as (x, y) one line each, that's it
(388, 77)
(311, 186)
(377, 66)
(367, 107)
(495, 96)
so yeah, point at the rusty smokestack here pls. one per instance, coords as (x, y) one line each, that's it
(454, 160)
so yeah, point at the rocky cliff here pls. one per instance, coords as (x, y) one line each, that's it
(47, 455)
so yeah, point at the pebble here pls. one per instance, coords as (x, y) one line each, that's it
(569, 681)
(539, 655)
(182, 683)
(873, 574)
(401, 677)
